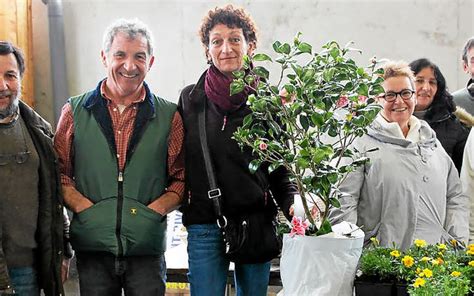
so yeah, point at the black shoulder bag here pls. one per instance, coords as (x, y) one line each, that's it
(251, 238)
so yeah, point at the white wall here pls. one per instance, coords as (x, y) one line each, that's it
(404, 29)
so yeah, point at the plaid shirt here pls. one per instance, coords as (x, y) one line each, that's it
(122, 123)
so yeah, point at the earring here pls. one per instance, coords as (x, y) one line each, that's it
(209, 62)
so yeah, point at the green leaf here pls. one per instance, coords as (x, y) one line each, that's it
(325, 228)
(249, 79)
(260, 57)
(308, 74)
(237, 86)
(247, 121)
(290, 88)
(276, 46)
(328, 74)
(281, 60)
(285, 48)
(298, 69)
(254, 165)
(363, 90)
(304, 122)
(262, 72)
(305, 47)
(335, 52)
(239, 74)
(332, 178)
(334, 202)
(246, 60)
(272, 167)
(275, 127)
(317, 119)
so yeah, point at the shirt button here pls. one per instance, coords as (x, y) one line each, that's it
(119, 132)
(118, 155)
(115, 109)
(425, 178)
(135, 107)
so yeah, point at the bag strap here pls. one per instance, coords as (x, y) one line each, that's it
(214, 192)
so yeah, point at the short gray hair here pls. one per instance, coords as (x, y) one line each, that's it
(469, 44)
(131, 27)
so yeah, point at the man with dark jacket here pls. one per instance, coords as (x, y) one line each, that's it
(31, 211)
(122, 170)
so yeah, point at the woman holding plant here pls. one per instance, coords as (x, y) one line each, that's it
(410, 188)
(227, 34)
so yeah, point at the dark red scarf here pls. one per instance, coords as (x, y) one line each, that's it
(217, 88)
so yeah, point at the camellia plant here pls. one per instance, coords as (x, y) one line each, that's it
(309, 118)
(441, 269)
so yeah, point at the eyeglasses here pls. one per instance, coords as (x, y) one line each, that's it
(19, 158)
(391, 96)
(422, 81)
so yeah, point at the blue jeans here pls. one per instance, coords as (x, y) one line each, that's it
(104, 274)
(24, 280)
(208, 267)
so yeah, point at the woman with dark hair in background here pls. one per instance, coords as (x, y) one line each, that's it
(435, 105)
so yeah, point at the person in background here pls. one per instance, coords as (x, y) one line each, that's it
(122, 170)
(227, 34)
(410, 188)
(467, 180)
(435, 105)
(33, 223)
(464, 97)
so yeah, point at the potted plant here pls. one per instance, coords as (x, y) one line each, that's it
(306, 121)
(441, 269)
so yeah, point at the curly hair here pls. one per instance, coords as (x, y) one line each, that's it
(442, 100)
(232, 17)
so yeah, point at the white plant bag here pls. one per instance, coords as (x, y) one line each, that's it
(323, 265)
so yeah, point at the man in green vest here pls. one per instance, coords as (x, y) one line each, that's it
(122, 170)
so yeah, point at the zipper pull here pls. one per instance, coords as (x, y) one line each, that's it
(120, 177)
(224, 122)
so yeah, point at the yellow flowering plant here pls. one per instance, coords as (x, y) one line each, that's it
(440, 269)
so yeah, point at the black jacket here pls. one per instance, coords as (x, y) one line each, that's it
(242, 191)
(50, 226)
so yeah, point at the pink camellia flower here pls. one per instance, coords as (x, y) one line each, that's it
(342, 102)
(362, 99)
(285, 98)
(298, 226)
(263, 146)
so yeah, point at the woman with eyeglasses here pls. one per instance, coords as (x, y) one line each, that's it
(435, 105)
(410, 188)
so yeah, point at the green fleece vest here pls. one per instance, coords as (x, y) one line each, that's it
(119, 222)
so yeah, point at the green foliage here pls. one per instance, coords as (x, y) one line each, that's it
(308, 120)
(441, 269)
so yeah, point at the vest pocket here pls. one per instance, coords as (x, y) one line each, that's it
(93, 230)
(143, 230)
